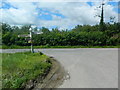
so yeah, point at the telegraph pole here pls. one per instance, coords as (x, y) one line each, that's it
(102, 25)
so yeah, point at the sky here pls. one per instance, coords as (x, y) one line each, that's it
(61, 14)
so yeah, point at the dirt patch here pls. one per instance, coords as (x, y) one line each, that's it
(55, 77)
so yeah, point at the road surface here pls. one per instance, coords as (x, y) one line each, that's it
(87, 67)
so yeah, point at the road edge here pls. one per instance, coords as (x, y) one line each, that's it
(53, 77)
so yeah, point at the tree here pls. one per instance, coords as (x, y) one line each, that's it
(45, 30)
(25, 29)
(85, 35)
(6, 28)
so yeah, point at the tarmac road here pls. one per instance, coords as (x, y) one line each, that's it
(87, 67)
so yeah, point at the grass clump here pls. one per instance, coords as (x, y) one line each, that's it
(18, 68)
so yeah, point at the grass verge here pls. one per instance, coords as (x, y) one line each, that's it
(36, 47)
(19, 68)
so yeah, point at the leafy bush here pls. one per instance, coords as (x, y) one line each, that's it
(85, 35)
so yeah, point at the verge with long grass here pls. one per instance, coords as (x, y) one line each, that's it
(19, 68)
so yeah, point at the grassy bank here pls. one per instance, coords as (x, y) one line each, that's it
(18, 68)
(36, 47)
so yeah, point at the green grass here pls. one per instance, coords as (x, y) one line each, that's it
(0, 71)
(0, 46)
(18, 68)
(27, 47)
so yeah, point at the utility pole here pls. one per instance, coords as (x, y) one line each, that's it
(102, 18)
(32, 50)
(102, 25)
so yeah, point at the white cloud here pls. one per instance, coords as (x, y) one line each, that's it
(58, 0)
(25, 14)
(109, 12)
(75, 13)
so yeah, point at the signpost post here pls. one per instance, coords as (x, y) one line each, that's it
(32, 50)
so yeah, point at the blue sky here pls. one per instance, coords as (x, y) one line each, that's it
(115, 4)
(7, 5)
(63, 15)
(47, 15)
(90, 3)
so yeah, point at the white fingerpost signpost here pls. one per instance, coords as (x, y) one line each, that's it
(31, 39)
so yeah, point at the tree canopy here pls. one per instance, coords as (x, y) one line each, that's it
(85, 35)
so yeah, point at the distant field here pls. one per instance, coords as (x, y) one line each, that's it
(18, 68)
(27, 47)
